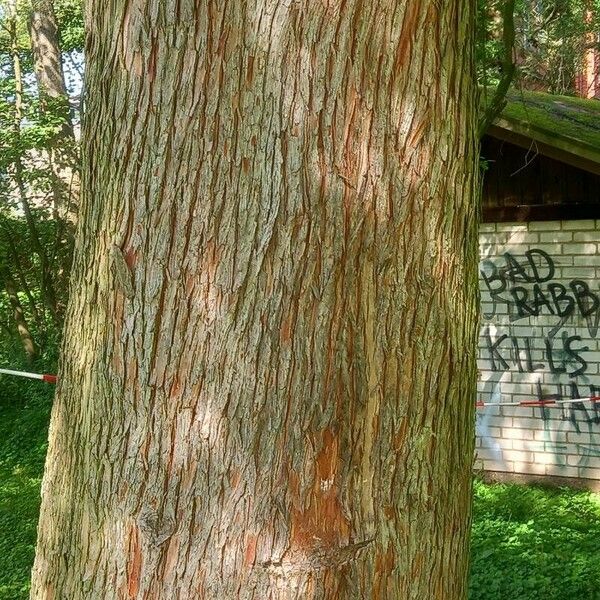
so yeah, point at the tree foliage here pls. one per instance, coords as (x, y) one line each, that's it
(38, 163)
(551, 41)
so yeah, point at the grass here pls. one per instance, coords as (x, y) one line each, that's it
(535, 543)
(23, 432)
(529, 543)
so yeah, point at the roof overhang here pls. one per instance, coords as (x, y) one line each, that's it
(568, 150)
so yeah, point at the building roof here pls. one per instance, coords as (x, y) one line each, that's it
(560, 127)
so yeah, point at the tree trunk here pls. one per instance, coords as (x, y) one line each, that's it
(54, 97)
(46, 283)
(18, 314)
(268, 375)
(13, 256)
(45, 46)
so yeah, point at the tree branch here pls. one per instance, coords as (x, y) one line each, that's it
(498, 102)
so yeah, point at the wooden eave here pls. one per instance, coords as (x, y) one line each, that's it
(568, 150)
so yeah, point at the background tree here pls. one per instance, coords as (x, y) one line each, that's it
(554, 36)
(268, 373)
(39, 168)
(54, 98)
(551, 38)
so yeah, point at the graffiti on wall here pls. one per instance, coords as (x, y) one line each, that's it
(526, 288)
(560, 320)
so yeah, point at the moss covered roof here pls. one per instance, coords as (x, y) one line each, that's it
(574, 119)
(561, 127)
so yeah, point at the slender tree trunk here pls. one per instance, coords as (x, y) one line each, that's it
(46, 284)
(46, 279)
(18, 314)
(268, 374)
(63, 157)
(45, 45)
(20, 274)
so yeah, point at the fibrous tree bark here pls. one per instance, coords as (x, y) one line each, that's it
(268, 372)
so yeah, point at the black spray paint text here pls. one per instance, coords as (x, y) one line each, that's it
(558, 356)
(542, 296)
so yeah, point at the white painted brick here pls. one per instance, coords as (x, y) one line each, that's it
(539, 446)
(563, 261)
(489, 454)
(518, 455)
(574, 461)
(545, 226)
(541, 435)
(490, 375)
(521, 331)
(589, 473)
(567, 449)
(580, 248)
(518, 238)
(511, 227)
(517, 388)
(515, 376)
(529, 468)
(493, 238)
(494, 465)
(520, 414)
(574, 272)
(493, 432)
(487, 414)
(550, 248)
(586, 236)
(582, 438)
(527, 423)
(499, 421)
(589, 462)
(561, 471)
(487, 227)
(489, 443)
(528, 442)
(517, 434)
(581, 225)
(549, 458)
(556, 236)
(586, 260)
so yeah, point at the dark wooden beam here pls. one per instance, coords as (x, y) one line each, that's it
(540, 212)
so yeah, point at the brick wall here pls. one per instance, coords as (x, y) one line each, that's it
(540, 340)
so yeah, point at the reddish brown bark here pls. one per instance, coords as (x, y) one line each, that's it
(268, 372)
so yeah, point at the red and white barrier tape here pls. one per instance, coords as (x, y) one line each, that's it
(41, 376)
(480, 404)
(546, 402)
